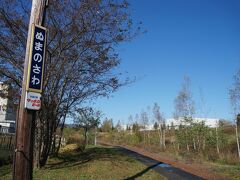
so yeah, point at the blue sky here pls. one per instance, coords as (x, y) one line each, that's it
(198, 38)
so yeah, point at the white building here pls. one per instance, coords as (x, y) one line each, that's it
(210, 122)
(148, 127)
(122, 127)
(7, 112)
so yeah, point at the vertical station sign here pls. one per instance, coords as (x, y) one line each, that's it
(36, 67)
(36, 61)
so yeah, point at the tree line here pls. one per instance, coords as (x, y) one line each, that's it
(187, 135)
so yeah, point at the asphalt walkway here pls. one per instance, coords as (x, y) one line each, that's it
(165, 170)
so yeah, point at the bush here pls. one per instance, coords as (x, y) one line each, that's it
(81, 145)
(5, 157)
(74, 139)
(212, 156)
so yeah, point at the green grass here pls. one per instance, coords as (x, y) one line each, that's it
(5, 172)
(95, 163)
(229, 171)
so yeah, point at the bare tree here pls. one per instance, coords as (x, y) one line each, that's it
(234, 93)
(203, 109)
(161, 124)
(204, 112)
(136, 124)
(148, 113)
(184, 109)
(144, 122)
(130, 120)
(130, 123)
(217, 140)
(136, 119)
(83, 36)
(184, 105)
(86, 118)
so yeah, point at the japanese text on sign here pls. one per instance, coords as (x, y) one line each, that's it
(33, 101)
(36, 61)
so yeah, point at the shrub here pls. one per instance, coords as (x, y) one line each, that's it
(81, 145)
(74, 139)
(5, 157)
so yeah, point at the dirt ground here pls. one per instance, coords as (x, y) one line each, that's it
(200, 169)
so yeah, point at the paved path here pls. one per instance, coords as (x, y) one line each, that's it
(165, 170)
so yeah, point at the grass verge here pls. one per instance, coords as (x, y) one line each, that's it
(230, 171)
(96, 162)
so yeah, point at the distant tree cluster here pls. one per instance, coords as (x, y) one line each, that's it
(189, 137)
(107, 125)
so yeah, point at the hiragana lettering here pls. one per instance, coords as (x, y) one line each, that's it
(37, 57)
(38, 46)
(36, 69)
(35, 80)
(39, 36)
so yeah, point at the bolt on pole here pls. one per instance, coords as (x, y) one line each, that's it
(23, 155)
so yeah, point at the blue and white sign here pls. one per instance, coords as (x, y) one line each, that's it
(37, 57)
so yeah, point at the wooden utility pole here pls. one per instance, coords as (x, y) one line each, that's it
(23, 159)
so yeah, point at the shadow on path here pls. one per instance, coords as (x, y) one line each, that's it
(163, 169)
(142, 172)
